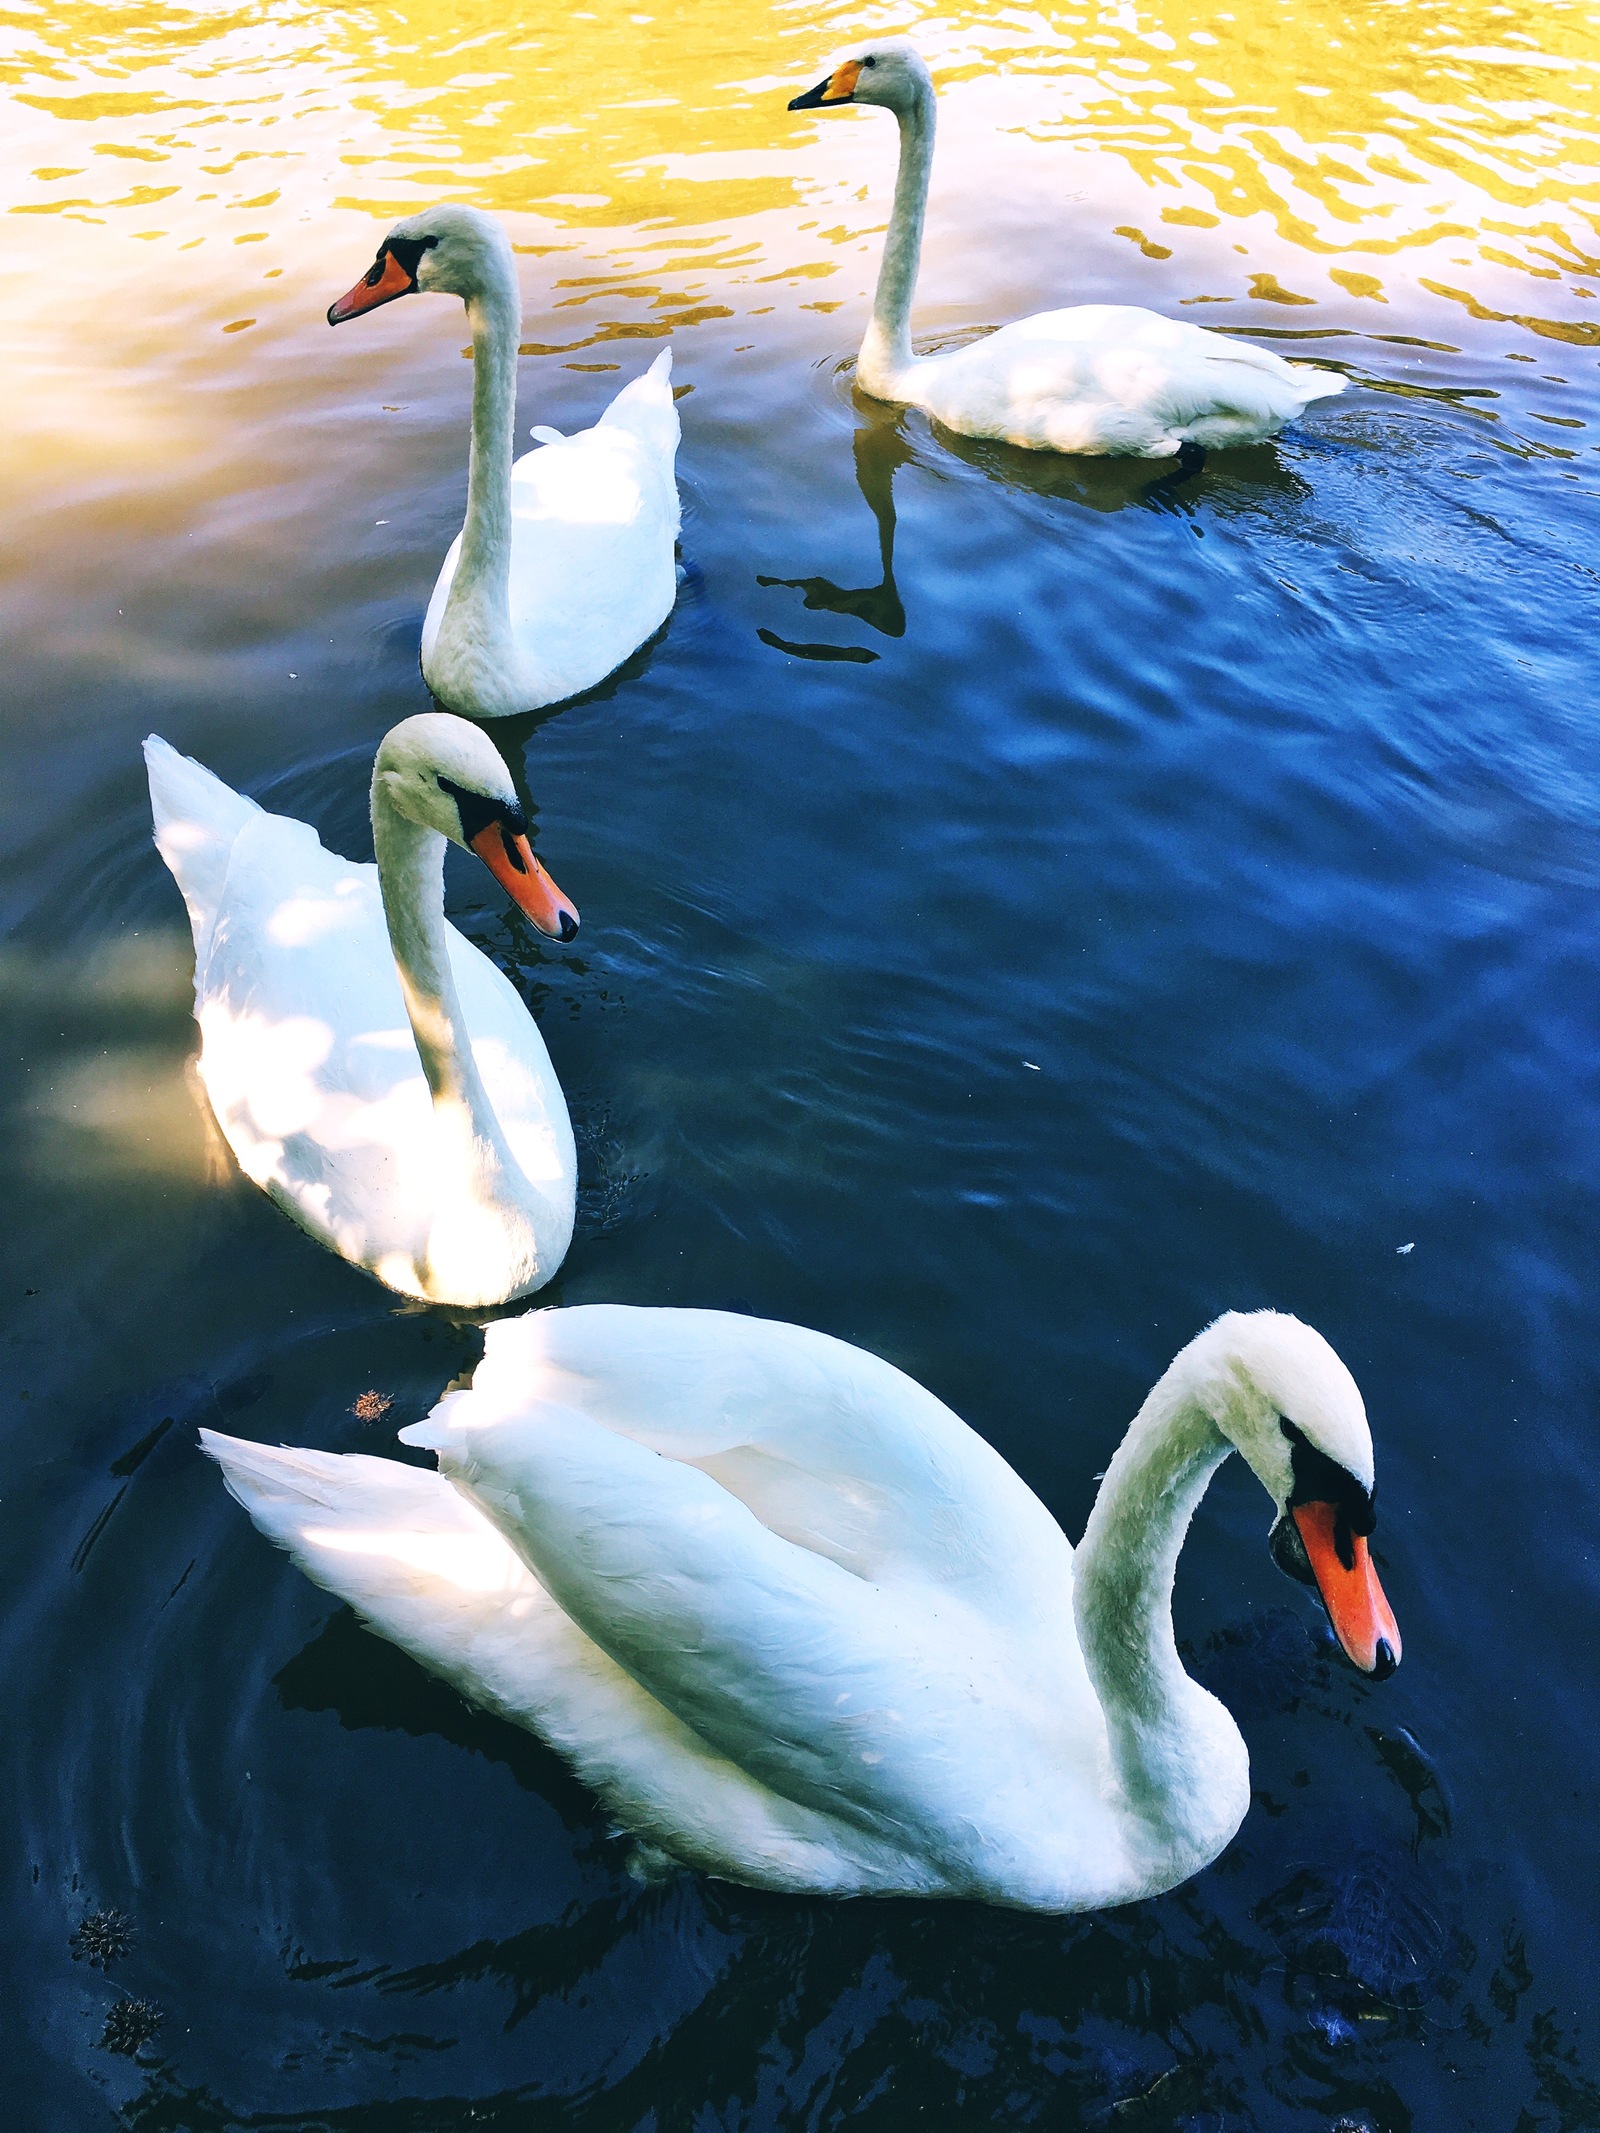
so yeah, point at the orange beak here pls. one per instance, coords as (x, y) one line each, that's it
(839, 87)
(1362, 1618)
(383, 281)
(510, 860)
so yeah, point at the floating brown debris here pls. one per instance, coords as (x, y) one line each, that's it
(372, 1406)
(130, 2025)
(102, 1937)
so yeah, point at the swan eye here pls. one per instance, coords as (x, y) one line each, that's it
(869, 61)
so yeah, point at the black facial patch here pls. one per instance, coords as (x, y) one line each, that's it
(478, 813)
(1319, 1479)
(407, 251)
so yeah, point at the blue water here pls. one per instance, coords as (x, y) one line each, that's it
(1071, 910)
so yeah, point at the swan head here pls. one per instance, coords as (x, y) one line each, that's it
(1285, 1401)
(446, 775)
(449, 250)
(889, 71)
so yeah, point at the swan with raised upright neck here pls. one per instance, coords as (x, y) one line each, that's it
(566, 560)
(369, 1067)
(802, 1628)
(1094, 378)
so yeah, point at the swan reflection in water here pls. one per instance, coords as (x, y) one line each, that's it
(880, 447)
(1240, 479)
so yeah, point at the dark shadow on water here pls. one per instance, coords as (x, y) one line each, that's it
(1228, 480)
(1318, 2005)
(846, 654)
(1266, 1664)
(546, 1960)
(365, 1681)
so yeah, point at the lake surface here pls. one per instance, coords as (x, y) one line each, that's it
(1025, 913)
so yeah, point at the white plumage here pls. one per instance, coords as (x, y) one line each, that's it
(592, 570)
(1112, 379)
(566, 560)
(375, 1074)
(797, 1623)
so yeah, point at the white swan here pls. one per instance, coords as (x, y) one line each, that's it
(565, 563)
(370, 1068)
(800, 1627)
(1095, 378)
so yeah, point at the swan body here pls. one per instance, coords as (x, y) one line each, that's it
(801, 1627)
(1094, 378)
(566, 561)
(369, 1067)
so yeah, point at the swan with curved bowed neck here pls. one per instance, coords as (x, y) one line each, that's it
(566, 561)
(371, 1069)
(801, 1628)
(1097, 378)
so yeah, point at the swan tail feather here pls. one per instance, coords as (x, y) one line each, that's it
(197, 818)
(1314, 384)
(399, 1543)
(280, 1484)
(1306, 381)
(645, 405)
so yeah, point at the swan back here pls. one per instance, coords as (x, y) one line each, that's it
(1114, 378)
(832, 1448)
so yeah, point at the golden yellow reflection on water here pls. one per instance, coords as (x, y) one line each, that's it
(1290, 153)
(1371, 130)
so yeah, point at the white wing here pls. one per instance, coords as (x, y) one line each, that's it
(196, 819)
(830, 1447)
(1114, 377)
(423, 1565)
(594, 521)
(909, 1698)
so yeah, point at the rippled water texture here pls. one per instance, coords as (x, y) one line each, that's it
(1024, 914)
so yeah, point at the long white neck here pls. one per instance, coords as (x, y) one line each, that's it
(475, 646)
(1182, 1766)
(490, 1209)
(886, 346)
